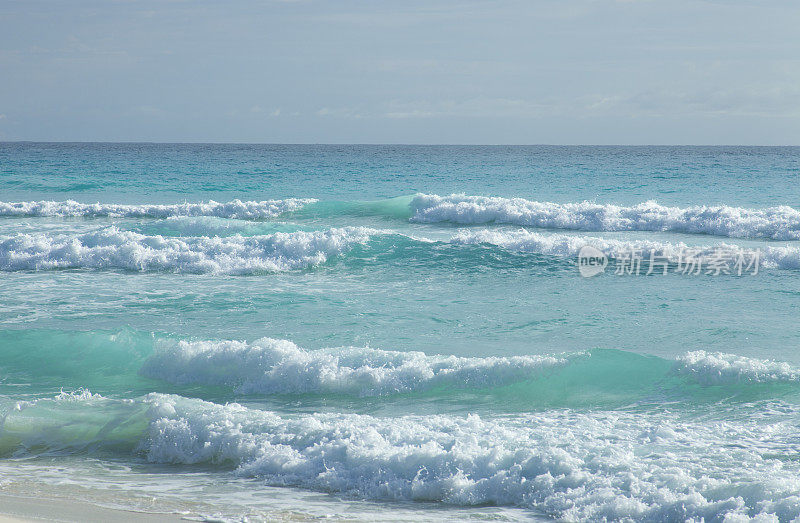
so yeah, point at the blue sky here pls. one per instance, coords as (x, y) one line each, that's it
(559, 72)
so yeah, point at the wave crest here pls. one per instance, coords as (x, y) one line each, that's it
(565, 245)
(777, 223)
(279, 366)
(272, 366)
(603, 465)
(718, 368)
(244, 210)
(112, 248)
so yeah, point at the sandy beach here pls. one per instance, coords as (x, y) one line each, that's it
(18, 509)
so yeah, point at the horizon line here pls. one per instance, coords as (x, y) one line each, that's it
(401, 144)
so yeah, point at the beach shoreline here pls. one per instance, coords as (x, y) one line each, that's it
(17, 509)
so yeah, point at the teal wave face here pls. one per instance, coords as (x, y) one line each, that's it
(610, 378)
(39, 363)
(118, 363)
(398, 208)
(48, 360)
(72, 424)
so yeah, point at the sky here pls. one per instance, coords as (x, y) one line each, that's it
(403, 71)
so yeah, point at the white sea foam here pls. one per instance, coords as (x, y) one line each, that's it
(279, 366)
(247, 210)
(778, 223)
(111, 248)
(566, 245)
(718, 368)
(271, 366)
(571, 465)
(209, 226)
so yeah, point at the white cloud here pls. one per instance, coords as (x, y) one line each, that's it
(473, 107)
(762, 101)
(340, 112)
(757, 101)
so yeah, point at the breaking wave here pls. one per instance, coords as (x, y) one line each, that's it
(565, 245)
(128, 360)
(254, 252)
(112, 248)
(271, 366)
(564, 464)
(719, 368)
(244, 249)
(247, 210)
(777, 223)
(279, 366)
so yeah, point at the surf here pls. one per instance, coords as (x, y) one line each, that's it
(249, 210)
(775, 223)
(127, 360)
(563, 464)
(113, 248)
(248, 251)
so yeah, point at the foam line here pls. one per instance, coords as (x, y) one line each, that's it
(246, 210)
(777, 223)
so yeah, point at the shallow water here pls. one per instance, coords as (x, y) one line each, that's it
(400, 332)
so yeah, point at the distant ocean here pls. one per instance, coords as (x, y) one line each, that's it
(400, 332)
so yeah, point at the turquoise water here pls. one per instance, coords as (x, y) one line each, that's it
(399, 332)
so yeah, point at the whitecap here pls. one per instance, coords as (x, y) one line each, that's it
(777, 223)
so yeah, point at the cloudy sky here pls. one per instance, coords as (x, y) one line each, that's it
(305, 71)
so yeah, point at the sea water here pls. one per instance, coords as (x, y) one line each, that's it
(400, 332)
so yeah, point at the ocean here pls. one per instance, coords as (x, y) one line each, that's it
(395, 333)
